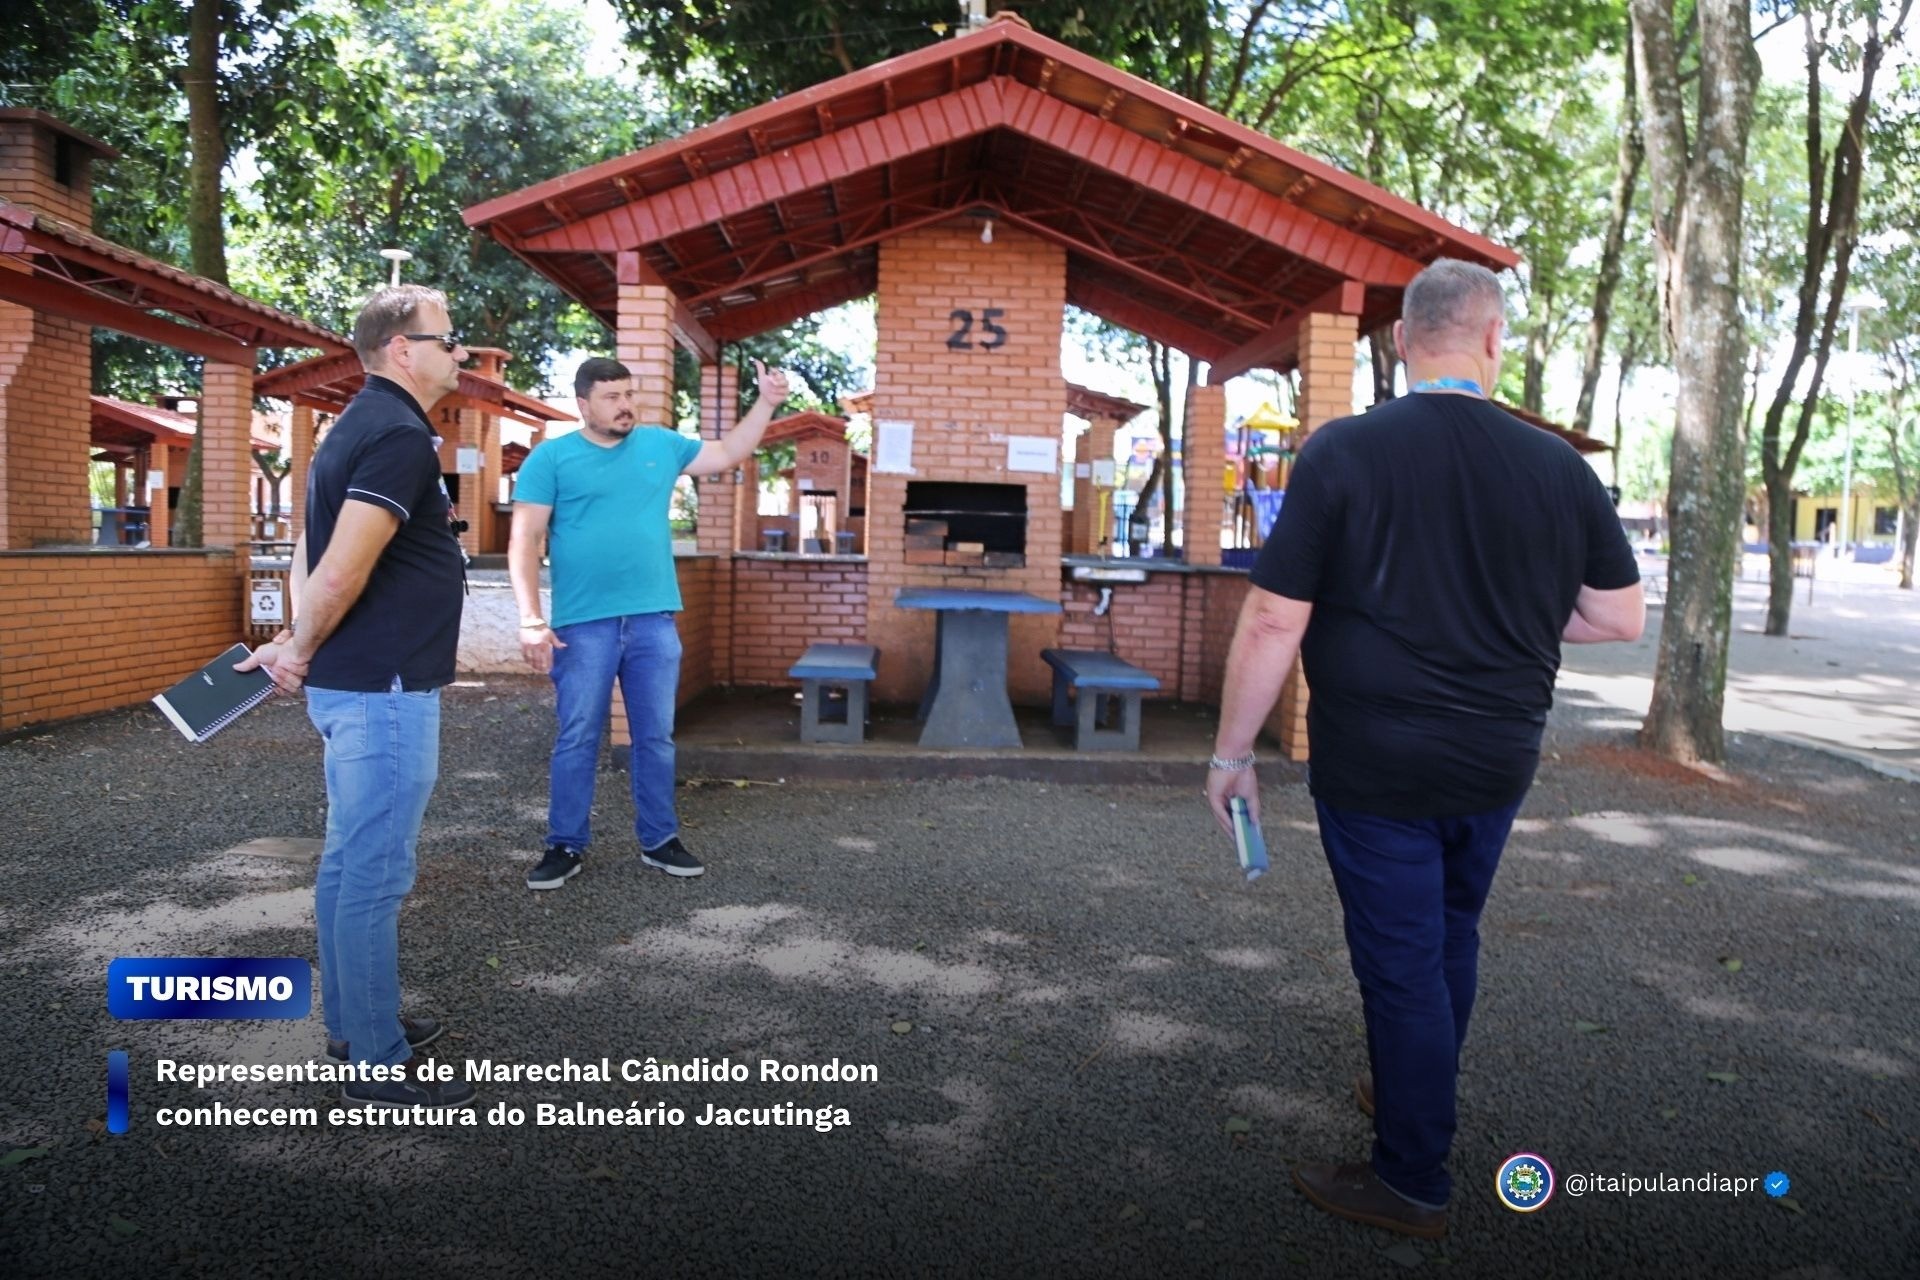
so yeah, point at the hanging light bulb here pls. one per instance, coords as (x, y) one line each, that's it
(986, 231)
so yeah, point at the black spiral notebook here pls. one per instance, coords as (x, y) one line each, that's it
(214, 696)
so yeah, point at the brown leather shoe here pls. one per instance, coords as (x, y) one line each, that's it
(1355, 1192)
(1363, 1093)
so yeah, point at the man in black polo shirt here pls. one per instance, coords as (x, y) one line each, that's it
(1428, 562)
(377, 578)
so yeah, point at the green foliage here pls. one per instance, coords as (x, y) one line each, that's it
(725, 55)
(486, 97)
(296, 102)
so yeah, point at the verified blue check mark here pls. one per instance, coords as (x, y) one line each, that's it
(1777, 1184)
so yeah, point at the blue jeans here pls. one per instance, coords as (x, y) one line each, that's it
(643, 650)
(1411, 892)
(382, 759)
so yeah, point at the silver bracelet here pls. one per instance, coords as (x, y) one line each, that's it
(1239, 764)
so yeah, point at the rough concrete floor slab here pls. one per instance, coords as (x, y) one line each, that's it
(1098, 1051)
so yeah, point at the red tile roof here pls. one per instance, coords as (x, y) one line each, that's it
(1179, 223)
(67, 265)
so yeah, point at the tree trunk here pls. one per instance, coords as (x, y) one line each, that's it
(1533, 391)
(1909, 534)
(1907, 486)
(1386, 362)
(206, 232)
(1832, 230)
(1629, 360)
(1697, 195)
(1626, 177)
(1779, 554)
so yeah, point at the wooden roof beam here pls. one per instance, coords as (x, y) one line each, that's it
(874, 226)
(746, 322)
(60, 298)
(1346, 298)
(1128, 311)
(1093, 247)
(1141, 161)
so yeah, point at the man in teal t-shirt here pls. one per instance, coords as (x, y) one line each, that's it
(598, 500)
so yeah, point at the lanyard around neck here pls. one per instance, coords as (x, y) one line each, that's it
(1450, 384)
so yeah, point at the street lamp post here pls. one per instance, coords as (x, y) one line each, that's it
(396, 257)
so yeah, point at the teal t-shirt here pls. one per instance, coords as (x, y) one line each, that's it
(611, 549)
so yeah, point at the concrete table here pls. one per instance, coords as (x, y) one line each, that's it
(966, 703)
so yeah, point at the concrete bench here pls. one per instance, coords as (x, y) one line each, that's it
(1098, 678)
(824, 667)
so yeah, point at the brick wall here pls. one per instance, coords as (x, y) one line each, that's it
(698, 654)
(964, 404)
(1179, 626)
(82, 631)
(1221, 611)
(1147, 623)
(782, 606)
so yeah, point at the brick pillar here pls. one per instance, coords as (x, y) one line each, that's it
(643, 341)
(159, 518)
(1090, 530)
(1326, 393)
(491, 531)
(1203, 454)
(1326, 369)
(300, 451)
(718, 532)
(470, 427)
(718, 495)
(226, 457)
(485, 535)
(46, 370)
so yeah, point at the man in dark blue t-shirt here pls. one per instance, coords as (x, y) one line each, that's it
(1427, 564)
(377, 585)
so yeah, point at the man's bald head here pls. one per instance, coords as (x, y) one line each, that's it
(1448, 307)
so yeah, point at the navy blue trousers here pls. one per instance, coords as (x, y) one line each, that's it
(1411, 891)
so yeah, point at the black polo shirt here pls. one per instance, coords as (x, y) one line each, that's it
(1442, 543)
(406, 622)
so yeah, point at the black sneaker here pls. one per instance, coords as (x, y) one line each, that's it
(673, 858)
(561, 864)
(411, 1092)
(421, 1032)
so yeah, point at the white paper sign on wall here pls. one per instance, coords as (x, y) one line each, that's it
(1032, 453)
(1103, 472)
(893, 447)
(466, 460)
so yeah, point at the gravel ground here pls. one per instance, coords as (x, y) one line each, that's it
(1098, 1052)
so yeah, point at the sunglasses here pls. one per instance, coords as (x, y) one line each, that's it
(447, 341)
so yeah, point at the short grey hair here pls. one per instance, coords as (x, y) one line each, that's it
(1450, 301)
(389, 312)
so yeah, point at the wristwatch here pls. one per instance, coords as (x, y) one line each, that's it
(533, 624)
